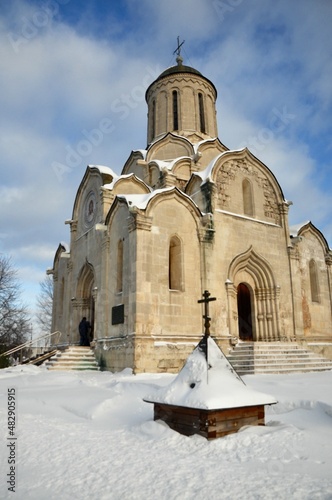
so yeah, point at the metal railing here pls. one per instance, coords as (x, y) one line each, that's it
(30, 343)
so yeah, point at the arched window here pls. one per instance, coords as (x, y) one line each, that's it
(153, 118)
(201, 112)
(248, 205)
(119, 277)
(175, 264)
(62, 296)
(314, 284)
(175, 111)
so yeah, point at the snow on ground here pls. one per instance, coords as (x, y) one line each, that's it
(90, 435)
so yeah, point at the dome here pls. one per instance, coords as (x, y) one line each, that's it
(179, 68)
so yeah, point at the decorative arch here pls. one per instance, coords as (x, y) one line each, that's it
(85, 281)
(230, 169)
(245, 154)
(209, 147)
(129, 184)
(168, 147)
(99, 176)
(182, 170)
(310, 228)
(255, 272)
(132, 164)
(174, 194)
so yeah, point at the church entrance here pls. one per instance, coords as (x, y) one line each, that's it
(86, 296)
(244, 312)
(253, 299)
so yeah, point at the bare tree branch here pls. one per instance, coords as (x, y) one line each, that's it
(14, 319)
(45, 304)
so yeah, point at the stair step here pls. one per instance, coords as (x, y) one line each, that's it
(275, 357)
(74, 358)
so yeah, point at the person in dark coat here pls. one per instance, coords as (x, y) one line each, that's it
(84, 329)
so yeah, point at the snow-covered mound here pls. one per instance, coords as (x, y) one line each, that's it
(208, 381)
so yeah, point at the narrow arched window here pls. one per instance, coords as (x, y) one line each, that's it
(62, 297)
(119, 276)
(314, 284)
(201, 112)
(175, 264)
(175, 111)
(153, 119)
(248, 204)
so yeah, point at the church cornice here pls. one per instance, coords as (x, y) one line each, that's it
(138, 220)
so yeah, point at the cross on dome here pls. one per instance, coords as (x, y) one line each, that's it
(179, 59)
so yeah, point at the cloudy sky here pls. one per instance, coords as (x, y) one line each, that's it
(69, 66)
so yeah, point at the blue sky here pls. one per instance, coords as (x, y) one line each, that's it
(71, 67)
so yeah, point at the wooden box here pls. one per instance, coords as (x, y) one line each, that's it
(210, 424)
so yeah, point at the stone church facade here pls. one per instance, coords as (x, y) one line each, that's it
(187, 215)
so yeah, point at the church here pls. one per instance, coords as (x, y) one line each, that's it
(187, 215)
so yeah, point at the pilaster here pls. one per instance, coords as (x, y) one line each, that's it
(138, 220)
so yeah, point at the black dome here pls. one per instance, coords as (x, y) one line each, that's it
(179, 68)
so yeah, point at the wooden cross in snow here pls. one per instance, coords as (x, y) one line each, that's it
(206, 316)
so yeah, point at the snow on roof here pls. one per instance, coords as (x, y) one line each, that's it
(104, 170)
(118, 178)
(169, 163)
(197, 145)
(65, 246)
(142, 151)
(206, 173)
(137, 200)
(141, 200)
(208, 383)
(295, 228)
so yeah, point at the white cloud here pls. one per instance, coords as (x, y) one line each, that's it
(41, 252)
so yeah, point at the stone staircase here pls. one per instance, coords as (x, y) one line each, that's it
(275, 357)
(73, 358)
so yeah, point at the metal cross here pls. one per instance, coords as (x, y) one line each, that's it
(206, 316)
(178, 49)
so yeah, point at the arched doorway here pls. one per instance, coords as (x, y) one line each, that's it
(85, 296)
(244, 312)
(259, 308)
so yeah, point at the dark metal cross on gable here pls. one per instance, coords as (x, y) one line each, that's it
(206, 300)
(178, 49)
